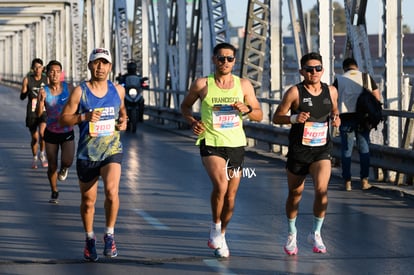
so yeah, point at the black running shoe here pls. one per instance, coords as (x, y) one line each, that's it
(54, 197)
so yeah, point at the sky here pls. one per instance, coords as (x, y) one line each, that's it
(236, 13)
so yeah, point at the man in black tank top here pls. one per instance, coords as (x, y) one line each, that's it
(37, 125)
(311, 108)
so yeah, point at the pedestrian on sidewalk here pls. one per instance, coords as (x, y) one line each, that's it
(225, 100)
(30, 90)
(311, 109)
(52, 98)
(349, 87)
(97, 106)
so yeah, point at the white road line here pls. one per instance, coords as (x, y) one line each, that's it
(151, 220)
(218, 267)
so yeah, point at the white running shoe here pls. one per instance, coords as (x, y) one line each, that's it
(223, 251)
(63, 174)
(216, 239)
(291, 247)
(43, 159)
(316, 240)
(34, 163)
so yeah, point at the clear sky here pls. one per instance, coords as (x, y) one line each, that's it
(236, 12)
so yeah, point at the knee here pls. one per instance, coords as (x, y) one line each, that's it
(111, 195)
(88, 204)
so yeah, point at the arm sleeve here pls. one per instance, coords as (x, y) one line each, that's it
(23, 96)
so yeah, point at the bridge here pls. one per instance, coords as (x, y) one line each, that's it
(173, 51)
(163, 220)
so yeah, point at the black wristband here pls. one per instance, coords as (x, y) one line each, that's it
(248, 112)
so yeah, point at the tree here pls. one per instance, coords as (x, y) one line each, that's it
(339, 19)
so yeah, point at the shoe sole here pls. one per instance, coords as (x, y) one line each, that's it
(291, 253)
(54, 201)
(219, 255)
(317, 250)
(90, 259)
(110, 256)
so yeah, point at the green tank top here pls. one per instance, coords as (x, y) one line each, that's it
(223, 123)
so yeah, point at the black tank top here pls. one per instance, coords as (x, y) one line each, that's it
(33, 86)
(319, 107)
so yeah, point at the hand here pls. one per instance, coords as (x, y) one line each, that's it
(122, 124)
(241, 107)
(302, 117)
(93, 116)
(198, 127)
(336, 121)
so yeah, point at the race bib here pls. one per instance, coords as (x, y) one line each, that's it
(34, 104)
(225, 117)
(102, 128)
(315, 133)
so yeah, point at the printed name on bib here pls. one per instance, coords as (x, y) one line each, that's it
(225, 117)
(315, 133)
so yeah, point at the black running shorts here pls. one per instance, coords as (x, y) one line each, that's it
(234, 155)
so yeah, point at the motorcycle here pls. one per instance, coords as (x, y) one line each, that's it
(134, 99)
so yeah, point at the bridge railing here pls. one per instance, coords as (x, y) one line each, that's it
(384, 159)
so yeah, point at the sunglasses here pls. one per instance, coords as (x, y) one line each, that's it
(222, 58)
(309, 69)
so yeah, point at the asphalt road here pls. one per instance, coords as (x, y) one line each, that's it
(164, 216)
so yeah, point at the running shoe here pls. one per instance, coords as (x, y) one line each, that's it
(43, 159)
(89, 252)
(291, 247)
(216, 239)
(223, 251)
(316, 240)
(34, 163)
(54, 197)
(63, 174)
(110, 247)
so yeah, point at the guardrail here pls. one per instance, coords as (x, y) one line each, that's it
(383, 157)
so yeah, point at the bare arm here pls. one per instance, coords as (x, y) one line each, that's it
(195, 92)
(68, 116)
(290, 101)
(377, 94)
(250, 99)
(123, 119)
(336, 121)
(41, 102)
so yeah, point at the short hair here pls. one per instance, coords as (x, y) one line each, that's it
(36, 60)
(224, 45)
(51, 63)
(310, 56)
(349, 62)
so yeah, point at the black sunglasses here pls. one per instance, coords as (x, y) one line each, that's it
(309, 69)
(222, 58)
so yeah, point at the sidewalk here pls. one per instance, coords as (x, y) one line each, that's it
(385, 187)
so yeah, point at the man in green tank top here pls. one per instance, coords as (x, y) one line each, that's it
(225, 100)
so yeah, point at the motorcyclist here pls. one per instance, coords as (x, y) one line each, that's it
(132, 80)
